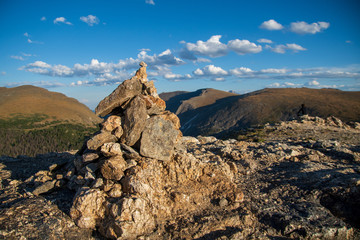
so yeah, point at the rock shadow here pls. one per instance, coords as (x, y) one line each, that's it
(22, 168)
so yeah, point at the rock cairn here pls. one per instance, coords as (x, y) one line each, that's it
(133, 177)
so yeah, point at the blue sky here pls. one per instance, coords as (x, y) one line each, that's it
(84, 49)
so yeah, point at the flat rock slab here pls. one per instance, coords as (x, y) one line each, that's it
(125, 91)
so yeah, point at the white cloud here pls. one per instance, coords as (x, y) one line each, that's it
(264, 40)
(26, 34)
(90, 20)
(219, 79)
(348, 41)
(151, 2)
(302, 27)
(177, 77)
(271, 25)
(18, 58)
(242, 47)
(3, 73)
(289, 46)
(43, 19)
(274, 70)
(62, 20)
(109, 73)
(313, 83)
(241, 71)
(210, 70)
(212, 47)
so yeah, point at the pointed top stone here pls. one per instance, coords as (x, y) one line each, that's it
(143, 64)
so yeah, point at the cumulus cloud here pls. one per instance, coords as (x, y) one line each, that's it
(210, 70)
(241, 71)
(108, 73)
(302, 27)
(212, 47)
(61, 20)
(271, 25)
(90, 20)
(151, 2)
(264, 40)
(43, 19)
(177, 77)
(289, 46)
(242, 47)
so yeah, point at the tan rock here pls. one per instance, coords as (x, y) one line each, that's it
(167, 115)
(133, 218)
(113, 168)
(111, 149)
(115, 191)
(125, 91)
(88, 208)
(111, 123)
(134, 121)
(149, 89)
(98, 140)
(141, 73)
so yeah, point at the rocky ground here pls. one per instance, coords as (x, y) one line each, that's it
(301, 180)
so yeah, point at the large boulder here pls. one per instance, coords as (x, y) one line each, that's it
(88, 208)
(158, 138)
(123, 93)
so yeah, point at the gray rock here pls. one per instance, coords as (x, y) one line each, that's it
(125, 91)
(129, 152)
(158, 138)
(134, 121)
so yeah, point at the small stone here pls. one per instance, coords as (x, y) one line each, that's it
(223, 202)
(115, 191)
(111, 123)
(99, 182)
(129, 152)
(141, 73)
(113, 168)
(89, 157)
(44, 188)
(98, 140)
(111, 149)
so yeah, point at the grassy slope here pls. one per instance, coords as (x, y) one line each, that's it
(29, 100)
(34, 120)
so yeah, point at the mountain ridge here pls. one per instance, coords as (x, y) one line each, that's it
(232, 113)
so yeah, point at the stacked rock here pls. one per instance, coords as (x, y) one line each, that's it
(129, 178)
